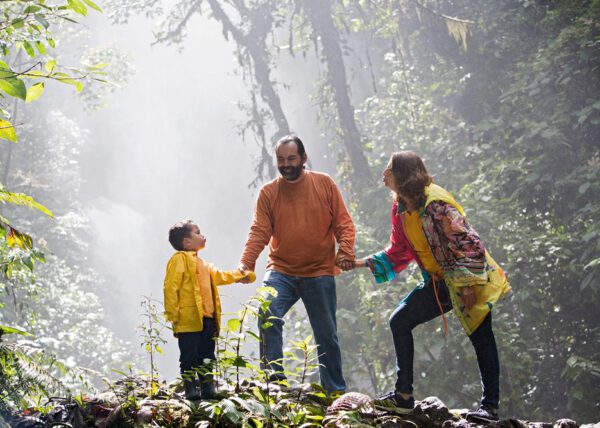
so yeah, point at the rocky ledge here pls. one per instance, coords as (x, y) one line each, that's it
(131, 403)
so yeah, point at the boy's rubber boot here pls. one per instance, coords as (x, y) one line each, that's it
(207, 387)
(191, 390)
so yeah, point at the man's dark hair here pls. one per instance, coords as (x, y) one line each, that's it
(178, 232)
(292, 139)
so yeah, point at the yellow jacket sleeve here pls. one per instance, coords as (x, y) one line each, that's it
(222, 277)
(173, 281)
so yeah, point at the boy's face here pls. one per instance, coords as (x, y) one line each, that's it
(195, 240)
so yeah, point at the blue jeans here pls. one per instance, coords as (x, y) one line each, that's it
(421, 306)
(319, 298)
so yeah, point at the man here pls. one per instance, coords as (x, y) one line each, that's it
(301, 215)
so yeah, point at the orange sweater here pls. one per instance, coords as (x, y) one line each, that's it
(301, 222)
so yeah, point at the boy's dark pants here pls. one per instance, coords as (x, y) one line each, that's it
(196, 347)
(421, 306)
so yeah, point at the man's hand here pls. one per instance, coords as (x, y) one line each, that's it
(344, 262)
(467, 296)
(242, 268)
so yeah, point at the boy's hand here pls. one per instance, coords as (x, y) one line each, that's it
(244, 270)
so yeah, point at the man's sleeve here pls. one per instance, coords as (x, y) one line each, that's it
(260, 233)
(172, 283)
(343, 227)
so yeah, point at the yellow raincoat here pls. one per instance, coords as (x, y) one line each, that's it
(182, 296)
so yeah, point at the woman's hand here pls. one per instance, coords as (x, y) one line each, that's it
(360, 263)
(467, 296)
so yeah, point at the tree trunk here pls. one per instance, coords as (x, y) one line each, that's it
(319, 13)
(255, 44)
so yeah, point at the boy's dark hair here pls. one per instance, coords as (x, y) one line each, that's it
(291, 139)
(178, 232)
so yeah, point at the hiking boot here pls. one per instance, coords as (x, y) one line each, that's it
(191, 391)
(484, 414)
(404, 405)
(208, 391)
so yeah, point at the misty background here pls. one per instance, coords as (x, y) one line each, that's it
(166, 148)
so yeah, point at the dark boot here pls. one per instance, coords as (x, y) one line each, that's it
(207, 387)
(191, 390)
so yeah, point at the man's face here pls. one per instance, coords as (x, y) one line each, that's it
(289, 161)
(195, 240)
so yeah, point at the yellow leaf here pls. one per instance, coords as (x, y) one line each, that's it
(7, 131)
(34, 92)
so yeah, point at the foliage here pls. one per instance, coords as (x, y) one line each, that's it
(27, 373)
(152, 340)
(27, 28)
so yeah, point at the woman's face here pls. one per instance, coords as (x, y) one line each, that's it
(388, 178)
(390, 181)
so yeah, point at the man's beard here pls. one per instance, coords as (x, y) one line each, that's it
(291, 173)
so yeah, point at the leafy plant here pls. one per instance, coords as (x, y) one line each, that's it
(152, 340)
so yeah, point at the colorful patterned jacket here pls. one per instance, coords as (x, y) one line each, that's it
(456, 247)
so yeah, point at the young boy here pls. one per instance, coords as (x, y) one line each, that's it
(192, 304)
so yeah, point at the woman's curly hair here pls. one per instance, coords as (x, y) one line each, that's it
(410, 175)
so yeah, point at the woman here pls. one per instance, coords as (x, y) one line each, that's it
(429, 227)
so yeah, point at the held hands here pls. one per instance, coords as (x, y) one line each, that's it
(346, 264)
(247, 279)
(467, 296)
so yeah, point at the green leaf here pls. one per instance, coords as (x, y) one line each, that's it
(7, 131)
(28, 261)
(50, 65)
(11, 330)
(234, 324)
(99, 66)
(14, 238)
(257, 423)
(31, 9)
(93, 5)
(240, 362)
(77, 6)
(34, 92)
(65, 78)
(583, 188)
(13, 87)
(28, 48)
(42, 20)
(17, 23)
(593, 263)
(40, 47)
(23, 200)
